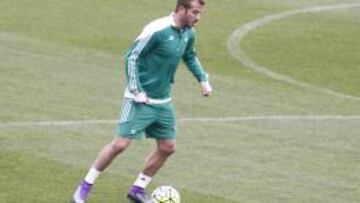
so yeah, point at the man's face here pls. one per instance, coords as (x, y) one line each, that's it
(191, 16)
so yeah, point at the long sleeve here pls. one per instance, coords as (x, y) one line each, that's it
(140, 47)
(192, 61)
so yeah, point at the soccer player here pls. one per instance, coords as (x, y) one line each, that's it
(150, 66)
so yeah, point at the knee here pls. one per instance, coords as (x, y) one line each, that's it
(118, 146)
(167, 149)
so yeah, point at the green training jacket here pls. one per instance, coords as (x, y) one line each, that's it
(152, 59)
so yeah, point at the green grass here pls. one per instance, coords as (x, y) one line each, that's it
(62, 60)
(23, 179)
(295, 47)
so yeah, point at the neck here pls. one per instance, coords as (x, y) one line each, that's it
(177, 20)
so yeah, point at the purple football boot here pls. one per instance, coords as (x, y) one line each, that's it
(138, 195)
(82, 192)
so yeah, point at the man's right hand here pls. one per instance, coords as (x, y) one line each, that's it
(141, 98)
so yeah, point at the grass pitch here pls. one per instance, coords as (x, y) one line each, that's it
(277, 142)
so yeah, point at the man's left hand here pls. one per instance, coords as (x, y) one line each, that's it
(206, 88)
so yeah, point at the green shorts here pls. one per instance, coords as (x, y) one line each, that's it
(155, 121)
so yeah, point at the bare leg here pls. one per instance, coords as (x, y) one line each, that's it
(109, 152)
(158, 157)
(105, 157)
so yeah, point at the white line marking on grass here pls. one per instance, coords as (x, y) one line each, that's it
(182, 120)
(235, 39)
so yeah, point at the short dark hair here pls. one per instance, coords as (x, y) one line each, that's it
(187, 3)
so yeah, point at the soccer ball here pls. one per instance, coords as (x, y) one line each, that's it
(165, 194)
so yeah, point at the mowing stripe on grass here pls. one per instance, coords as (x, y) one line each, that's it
(237, 36)
(194, 120)
(21, 45)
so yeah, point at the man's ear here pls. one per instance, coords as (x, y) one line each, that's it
(182, 9)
